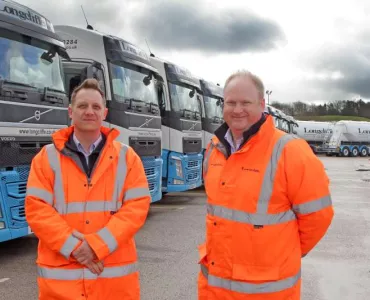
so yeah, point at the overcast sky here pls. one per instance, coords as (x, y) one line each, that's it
(302, 50)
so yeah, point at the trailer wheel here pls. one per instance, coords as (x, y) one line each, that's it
(355, 152)
(364, 152)
(345, 152)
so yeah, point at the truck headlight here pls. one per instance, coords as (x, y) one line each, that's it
(178, 168)
(177, 181)
(2, 225)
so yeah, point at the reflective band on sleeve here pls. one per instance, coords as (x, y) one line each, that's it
(313, 206)
(136, 193)
(120, 176)
(108, 239)
(250, 218)
(270, 172)
(251, 288)
(58, 183)
(42, 194)
(79, 274)
(68, 246)
(206, 158)
(88, 206)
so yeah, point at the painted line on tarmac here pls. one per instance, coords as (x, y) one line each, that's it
(4, 279)
(173, 207)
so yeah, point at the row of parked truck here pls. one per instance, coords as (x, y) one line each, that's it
(164, 112)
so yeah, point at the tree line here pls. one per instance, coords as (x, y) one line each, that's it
(338, 107)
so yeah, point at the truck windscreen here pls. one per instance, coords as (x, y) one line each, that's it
(21, 62)
(212, 107)
(181, 99)
(129, 84)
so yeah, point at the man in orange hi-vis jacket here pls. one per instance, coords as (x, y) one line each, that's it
(268, 202)
(87, 196)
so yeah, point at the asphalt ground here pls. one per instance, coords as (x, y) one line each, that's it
(337, 269)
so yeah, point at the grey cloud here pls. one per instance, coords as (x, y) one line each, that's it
(102, 15)
(168, 24)
(351, 60)
(188, 26)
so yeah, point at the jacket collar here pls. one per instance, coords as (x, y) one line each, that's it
(61, 137)
(253, 130)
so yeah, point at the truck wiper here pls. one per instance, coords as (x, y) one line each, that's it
(196, 113)
(130, 100)
(2, 81)
(55, 90)
(151, 104)
(152, 109)
(184, 111)
(217, 119)
(51, 97)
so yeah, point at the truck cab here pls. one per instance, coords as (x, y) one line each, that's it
(282, 121)
(212, 116)
(33, 104)
(293, 125)
(130, 85)
(180, 107)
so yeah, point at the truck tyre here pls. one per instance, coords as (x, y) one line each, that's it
(355, 152)
(345, 152)
(364, 152)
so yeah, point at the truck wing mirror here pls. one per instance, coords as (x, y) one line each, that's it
(147, 79)
(91, 71)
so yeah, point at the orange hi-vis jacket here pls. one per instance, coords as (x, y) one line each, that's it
(107, 209)
(268, 204)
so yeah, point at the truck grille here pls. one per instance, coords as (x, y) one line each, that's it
(193, 176)
(13, 187)
(193, 164)
(18, 213)
(149, 171)
(152, 168)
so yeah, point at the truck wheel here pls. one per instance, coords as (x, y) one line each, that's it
(345, 152)
(364, 152)
(355, 152)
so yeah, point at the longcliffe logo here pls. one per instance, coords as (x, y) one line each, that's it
(250, 170)
(318, 130)
(24, 15)
(364, 131)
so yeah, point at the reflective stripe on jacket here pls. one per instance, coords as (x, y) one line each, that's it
(107, 209)
(268, 205)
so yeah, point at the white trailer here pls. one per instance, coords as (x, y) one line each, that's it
(350, 138)
(316, 133)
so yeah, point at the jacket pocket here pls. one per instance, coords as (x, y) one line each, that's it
(246, 272)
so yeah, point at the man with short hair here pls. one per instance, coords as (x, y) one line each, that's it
(87, 196)
(268, 202)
